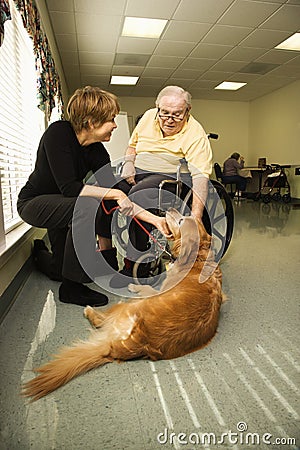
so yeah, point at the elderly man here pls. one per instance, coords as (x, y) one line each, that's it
(163, 136)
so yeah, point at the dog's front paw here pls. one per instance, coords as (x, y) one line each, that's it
(87, 310)
(133, 287)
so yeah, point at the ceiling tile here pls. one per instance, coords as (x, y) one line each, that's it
(273, 1)
(165, 61)
(100, 26)
(210, 51)
(245, 53)
(154, 9)
(242, 13)
(63, 22)
(228, 66)
(69, 57)
(258, 68)
(227, 35)
(185, 31)
(72, 68)
(260, 38)
(153, 81)
(295, 62)
(207, 84)
(188, 73)
(287, 71)
(173, 48)
(287, 18)
(98, 80)
(105, 7)
(201, 11)
(88, 43)
(130, 59)
(133, 71)
(243, 77)
(216, 75)
(58, 5)
(94, 69)
(145, 91)
(66, 42)
(200, 64)
(276, 56)
(182, 82)
(157, 71)
(96, 58)
(136, 45)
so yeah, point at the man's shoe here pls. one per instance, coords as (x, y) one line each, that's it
(110, 264)
(79, 294)
(121, 279)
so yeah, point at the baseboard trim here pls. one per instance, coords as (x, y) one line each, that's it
(9, 296)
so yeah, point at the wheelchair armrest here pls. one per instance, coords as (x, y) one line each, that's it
(178, 184)
(119, 167)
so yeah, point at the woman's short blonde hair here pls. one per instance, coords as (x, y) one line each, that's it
(91, 105)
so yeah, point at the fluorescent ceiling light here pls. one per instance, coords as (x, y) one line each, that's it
(230, 85)
(140, 27)
(123, 80)
(291, 43)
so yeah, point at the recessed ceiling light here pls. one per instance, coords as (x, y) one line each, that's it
(140, 27)
(291, 43)
(230, 85)
(123, 80)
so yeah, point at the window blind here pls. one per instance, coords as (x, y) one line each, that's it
(21, 122)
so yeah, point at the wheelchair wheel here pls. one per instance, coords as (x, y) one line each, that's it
(119, 227)
(147, 263)
(286, 198)
(276, 196)
(218, 216)
(267, 198)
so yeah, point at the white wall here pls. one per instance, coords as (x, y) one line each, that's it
(274, 130)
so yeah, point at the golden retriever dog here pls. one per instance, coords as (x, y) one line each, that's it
(178, 319)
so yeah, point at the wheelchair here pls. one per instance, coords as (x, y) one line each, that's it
(218, 220)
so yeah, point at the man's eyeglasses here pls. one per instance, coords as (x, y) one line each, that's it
(169, 116)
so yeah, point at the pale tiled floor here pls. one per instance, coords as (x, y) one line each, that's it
(248, 375)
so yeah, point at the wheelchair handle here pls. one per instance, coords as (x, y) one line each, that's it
(213, 136)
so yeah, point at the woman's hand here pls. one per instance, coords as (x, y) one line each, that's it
(161, 224)
(126, 205)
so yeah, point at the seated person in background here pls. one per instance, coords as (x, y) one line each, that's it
(162, 137)
(230, 173)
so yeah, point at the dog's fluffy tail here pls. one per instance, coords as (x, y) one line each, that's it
(70, 362)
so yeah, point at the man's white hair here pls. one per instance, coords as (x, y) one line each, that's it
(176, 91)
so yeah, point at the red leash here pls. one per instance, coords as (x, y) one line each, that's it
(137, 221)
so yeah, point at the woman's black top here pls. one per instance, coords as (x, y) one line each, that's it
(62, 164)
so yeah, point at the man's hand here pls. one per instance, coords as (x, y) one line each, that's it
(128, 172)
(128, 169)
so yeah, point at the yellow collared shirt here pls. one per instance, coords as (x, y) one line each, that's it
(156, 153)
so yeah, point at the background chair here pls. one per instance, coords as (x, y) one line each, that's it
(219, 176)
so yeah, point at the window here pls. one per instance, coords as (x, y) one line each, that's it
(21, 122)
